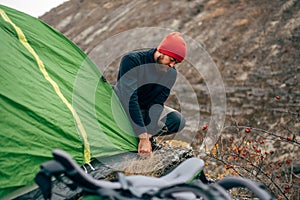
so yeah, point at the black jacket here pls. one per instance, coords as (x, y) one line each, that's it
(142, 84)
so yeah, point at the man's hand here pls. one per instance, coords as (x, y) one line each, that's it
(145, 147)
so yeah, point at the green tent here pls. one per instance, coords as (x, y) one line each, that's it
(52, 96)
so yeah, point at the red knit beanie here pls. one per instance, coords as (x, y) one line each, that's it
(173, 45)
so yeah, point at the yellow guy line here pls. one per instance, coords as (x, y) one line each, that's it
(23, 40)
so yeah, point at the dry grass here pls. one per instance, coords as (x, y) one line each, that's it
(156, 165)
(139, 166)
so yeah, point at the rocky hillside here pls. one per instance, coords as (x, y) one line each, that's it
(255, 46)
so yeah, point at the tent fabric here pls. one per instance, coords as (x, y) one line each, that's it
(52, 96)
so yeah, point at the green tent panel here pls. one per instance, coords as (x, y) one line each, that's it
(52, 96)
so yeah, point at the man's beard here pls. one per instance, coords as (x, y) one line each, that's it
(162, 67)
(158, 60)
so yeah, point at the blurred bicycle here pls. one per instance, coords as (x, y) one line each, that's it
(182, 182)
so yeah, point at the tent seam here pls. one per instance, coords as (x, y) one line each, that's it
(24, 42)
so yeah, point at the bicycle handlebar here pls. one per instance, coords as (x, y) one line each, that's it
(258, 189)
(176, 184)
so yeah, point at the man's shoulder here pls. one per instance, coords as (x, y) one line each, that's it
(138, 54)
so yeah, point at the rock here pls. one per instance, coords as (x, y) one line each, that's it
(163, 160)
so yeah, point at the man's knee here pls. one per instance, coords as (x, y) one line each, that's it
(175, 122)
(180, 122)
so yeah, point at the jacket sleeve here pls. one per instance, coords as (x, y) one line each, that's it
(156, 110)
(126, 90)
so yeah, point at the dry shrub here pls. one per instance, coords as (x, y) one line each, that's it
(270, 157)
(138, 166)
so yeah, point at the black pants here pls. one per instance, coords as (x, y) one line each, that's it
(171, 121)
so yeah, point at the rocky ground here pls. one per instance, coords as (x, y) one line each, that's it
(255, 46)
(163, 160)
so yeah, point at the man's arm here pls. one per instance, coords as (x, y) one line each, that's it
(126, 89)
(156, 110)
(127, 92)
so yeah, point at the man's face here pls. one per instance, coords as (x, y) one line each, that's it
(166, 60)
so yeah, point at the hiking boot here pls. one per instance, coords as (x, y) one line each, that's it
(154, 144)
